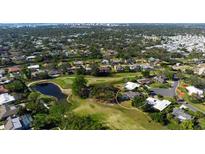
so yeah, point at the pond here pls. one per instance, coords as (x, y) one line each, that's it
(50, 89)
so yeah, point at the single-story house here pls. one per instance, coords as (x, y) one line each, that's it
(4, 80)
(6, 111)
(2, 89)
(119, 68)
(144, 81)
(88, 70)
(33, 67)
(26, 121)
(134, 67)
(130, 95)
(14, 69)
(146, 67)
(194, 90)
(105, 62)
(161, 79)
(13, 124)
(131, 85)
(30, 58)
(6, 98)
(78, 63)
(151, 59)
(2, 73)
(181, 115)
(54, 73)
(104, 69)
(158, 104)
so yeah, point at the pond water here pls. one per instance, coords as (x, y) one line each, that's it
(50, 89)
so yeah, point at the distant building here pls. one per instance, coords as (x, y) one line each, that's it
(144, 81)
(30, 58)
(14, 69)
(105, 62)
(6, 98)
(161, 79)
(104, 69)
(4, 80)
(134, 67)
(119, 68)
(33, 67)
(2, 73)
(78, 63)
(54, 73)
(2, 89)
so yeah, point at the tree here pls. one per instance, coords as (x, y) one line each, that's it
(33, 96)
(169, 74)
(95, 69)
(39, 103)
(138, 101)
(43, 75)
(36, 107)
(187, 124)
(16, 86)
(146, 73)
(27, 72)
(79, 86)
(44, 121)
(81, 71)
(105, 92)
(148, 108)
(159, 117)
(74, 122)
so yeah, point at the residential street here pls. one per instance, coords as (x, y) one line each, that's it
(171, 92)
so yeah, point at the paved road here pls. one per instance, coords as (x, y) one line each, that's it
(171, 92)
(191, 107)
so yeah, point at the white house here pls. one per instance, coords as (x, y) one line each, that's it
(158, 104)
(6, 98)
(131, 85)
(30, 57)
(194, 90)
(33, 67)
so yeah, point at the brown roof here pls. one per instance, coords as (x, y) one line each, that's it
(3, 90)
(6, 111)
(13, 69)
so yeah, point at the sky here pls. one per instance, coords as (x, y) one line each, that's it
(102, 11)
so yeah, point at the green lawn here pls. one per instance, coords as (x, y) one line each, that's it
(66, 81)
(202, 123)
(115, 116)
(160, 85)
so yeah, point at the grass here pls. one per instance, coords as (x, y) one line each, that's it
(66, 81)
(160, 85)
(115, 116)
(202, 123)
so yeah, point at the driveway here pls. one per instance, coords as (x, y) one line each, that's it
(171, 92)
